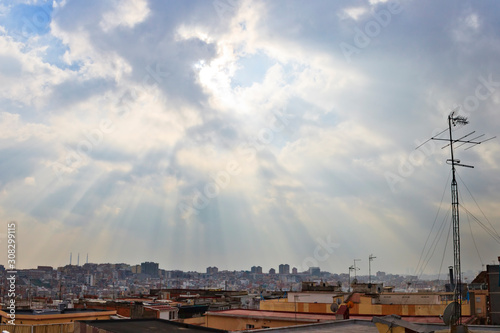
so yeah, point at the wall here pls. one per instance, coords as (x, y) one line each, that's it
(53, 328)
(478, 303)
(198, 321)
(422, 298)
(494, 291)
(284, 305)
(58, 318)
(364, 307)
(123, 309)
(312, 297)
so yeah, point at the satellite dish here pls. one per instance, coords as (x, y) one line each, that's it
(334, 307)
(449, 314)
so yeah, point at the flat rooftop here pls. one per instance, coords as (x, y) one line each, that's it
(47, 312)
(339, 326)
(286, 315)
(145, 325)
(364, 326)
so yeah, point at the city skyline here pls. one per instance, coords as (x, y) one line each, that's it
(210, 270)
(237, 133)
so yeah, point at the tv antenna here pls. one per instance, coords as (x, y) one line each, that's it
(455, 120)
(355, 268)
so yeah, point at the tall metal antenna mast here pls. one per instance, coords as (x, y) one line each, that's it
(456, 120)
(355, 268)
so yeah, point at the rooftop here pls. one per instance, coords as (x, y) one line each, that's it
(47, 312)
(364, 326)
(273, 315)
(145, 325)
(339, 326)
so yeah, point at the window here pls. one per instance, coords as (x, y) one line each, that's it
(479, 310)
(250, 326)
(478, 299)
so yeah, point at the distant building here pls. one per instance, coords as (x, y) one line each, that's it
(294, 270)
(177, 274)
(89, 280)
(212, 270)
(312, 286)
(315, 271)
(45, 268)
(284, 269)
(256, 270)
(165, 311)
(150, 268)
(272, 271)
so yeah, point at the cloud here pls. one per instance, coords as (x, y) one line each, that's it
(115, 115)
(126, 14)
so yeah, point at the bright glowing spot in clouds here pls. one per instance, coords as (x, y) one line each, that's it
(215, 77)
(199, 65)
(355, 12)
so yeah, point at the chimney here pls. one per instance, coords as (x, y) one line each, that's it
(452, 281)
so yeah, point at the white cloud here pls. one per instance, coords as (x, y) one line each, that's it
(356, 12)
(124, 13)
(467, 28)
(24, 76)
(472, 21)
(185, 88)
(29, 181)
(12, 128)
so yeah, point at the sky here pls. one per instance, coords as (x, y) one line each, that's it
(237, 133)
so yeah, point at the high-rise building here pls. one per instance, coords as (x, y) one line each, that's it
(89, 280)
(294, 270)
(315, 271)
(150, 268)
(256, 270)
(212, 270)
(284, 269)
(272, 271)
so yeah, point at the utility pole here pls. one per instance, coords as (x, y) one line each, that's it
(370, 258)
(454, 120)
